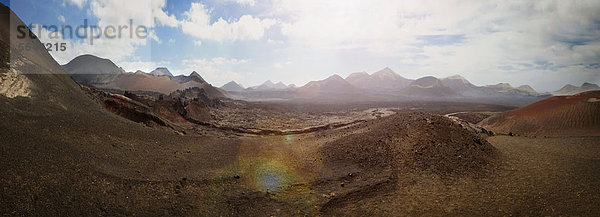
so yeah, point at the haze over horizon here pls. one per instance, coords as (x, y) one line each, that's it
(543, 44)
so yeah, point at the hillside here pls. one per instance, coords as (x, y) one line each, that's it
(380, 81)
(571, 90)
(104, 74)
(269, 86)
(92, 70)
(332, 87)
(428, 87)
(233, 87)
(555, 116)
(194, 76)
(161, 71)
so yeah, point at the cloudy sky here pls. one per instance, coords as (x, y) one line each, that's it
(544, 43)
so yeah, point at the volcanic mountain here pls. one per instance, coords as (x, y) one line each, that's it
(161, 71)
(232, 86)
(161, 84)
(381, 81)
(555, 116)
(194, 76)
(527, 89)
(500, 87)
(159, 80)
(458, 83)
(269, 86)
(334, 86)
(428, 87)
(91, 70)
(570, 89)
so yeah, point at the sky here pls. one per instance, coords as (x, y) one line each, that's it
(544, 43)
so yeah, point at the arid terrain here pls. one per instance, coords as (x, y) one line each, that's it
(575, 115)
(69, 149)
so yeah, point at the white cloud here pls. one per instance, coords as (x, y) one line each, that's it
(271, 41)
(145, 66)
(245, 2)
(198, 43)
(198, 24)
(116, 13)
(78, 3)
(282, 65)
(217, 71)
(549, 42)
(61, 18)
(161, 16)
(490, 35)
(152, 35)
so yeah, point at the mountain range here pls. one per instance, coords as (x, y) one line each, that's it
(571, 89)
(384, 84)
(383, 80)
(334, 86)
(232, 86)
(103, 73)
(270, 86)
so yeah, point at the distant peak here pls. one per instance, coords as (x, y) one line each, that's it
(357, 75)
(586, 84)
(88, 57)
(428, 78)
(457, 77)
(268, 82)
(501, 86)
(161, 71)
(194, 73)
(335, 77)
(385, 70)
(526, 88)
(232, 85)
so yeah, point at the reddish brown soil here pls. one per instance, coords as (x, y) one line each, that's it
(577, 115)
